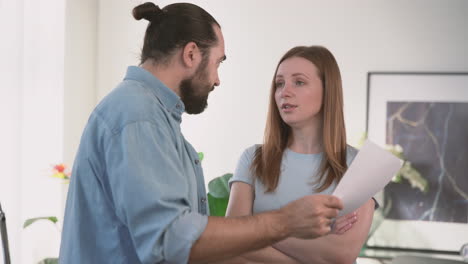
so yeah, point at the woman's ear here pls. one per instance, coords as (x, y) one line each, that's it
(191, 55)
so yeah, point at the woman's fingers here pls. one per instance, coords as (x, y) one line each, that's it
(344, 223)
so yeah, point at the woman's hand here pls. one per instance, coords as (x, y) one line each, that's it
(344, 223)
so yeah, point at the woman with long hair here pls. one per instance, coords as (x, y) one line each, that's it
(304, 153)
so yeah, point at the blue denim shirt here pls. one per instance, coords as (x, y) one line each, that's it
(137, 192)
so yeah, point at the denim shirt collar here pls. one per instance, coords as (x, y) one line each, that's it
(170, 100)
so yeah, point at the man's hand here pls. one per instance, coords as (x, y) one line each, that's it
(311, 216)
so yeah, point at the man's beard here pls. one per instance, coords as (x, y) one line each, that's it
(194, 90)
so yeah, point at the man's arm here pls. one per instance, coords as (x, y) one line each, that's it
(264, 255)
(224, 238)
(267, 255)
(332, 248)
(240, 204)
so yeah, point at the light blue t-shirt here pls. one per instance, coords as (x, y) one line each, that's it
(297, 178)
(137, 192)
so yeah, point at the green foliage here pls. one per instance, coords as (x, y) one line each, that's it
(413, 177)
(52, 219)
(49, 261)
(219, 187)
(30, 221)
(407, 172)
(218, 195)
(217, 206)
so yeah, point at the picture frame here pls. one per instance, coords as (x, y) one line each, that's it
(407, 109)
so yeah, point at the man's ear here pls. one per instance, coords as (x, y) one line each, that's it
(191, 55)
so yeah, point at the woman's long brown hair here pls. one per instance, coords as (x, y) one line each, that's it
(266, 165)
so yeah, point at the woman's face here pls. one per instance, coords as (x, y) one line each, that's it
(299, 92)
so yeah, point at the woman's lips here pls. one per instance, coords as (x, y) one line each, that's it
(288, 108)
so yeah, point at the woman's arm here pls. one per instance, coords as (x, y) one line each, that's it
(241, 204)
(332, 248)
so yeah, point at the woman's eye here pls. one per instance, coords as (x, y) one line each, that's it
(299, 83)
(279, 84)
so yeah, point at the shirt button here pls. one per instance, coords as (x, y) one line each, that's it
(203, 200)
(197, 161)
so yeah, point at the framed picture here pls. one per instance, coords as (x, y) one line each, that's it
(426, 114)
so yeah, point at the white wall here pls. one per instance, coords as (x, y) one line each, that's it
(364, 35)
(80, 70)
(47, 67)
(32, 114)
(79, 73)
(10, 113)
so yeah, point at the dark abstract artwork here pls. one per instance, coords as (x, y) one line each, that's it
(434, 138)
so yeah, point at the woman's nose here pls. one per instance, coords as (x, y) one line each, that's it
(286, 91)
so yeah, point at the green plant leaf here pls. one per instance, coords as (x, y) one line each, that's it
(219, 187)
(217, 206)
(49, 261)
(414, 177)
(30, 221)
(397, 178)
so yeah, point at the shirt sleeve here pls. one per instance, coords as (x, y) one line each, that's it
(151, 193)
(243, 172)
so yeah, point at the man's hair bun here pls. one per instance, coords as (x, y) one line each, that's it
(148, 11)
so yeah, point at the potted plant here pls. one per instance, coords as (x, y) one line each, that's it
(60, 172)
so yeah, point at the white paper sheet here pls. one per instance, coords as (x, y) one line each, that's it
(372, 169)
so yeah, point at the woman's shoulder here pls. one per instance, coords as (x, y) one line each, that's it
(250, 151)
(248, 155)
(243, 172)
